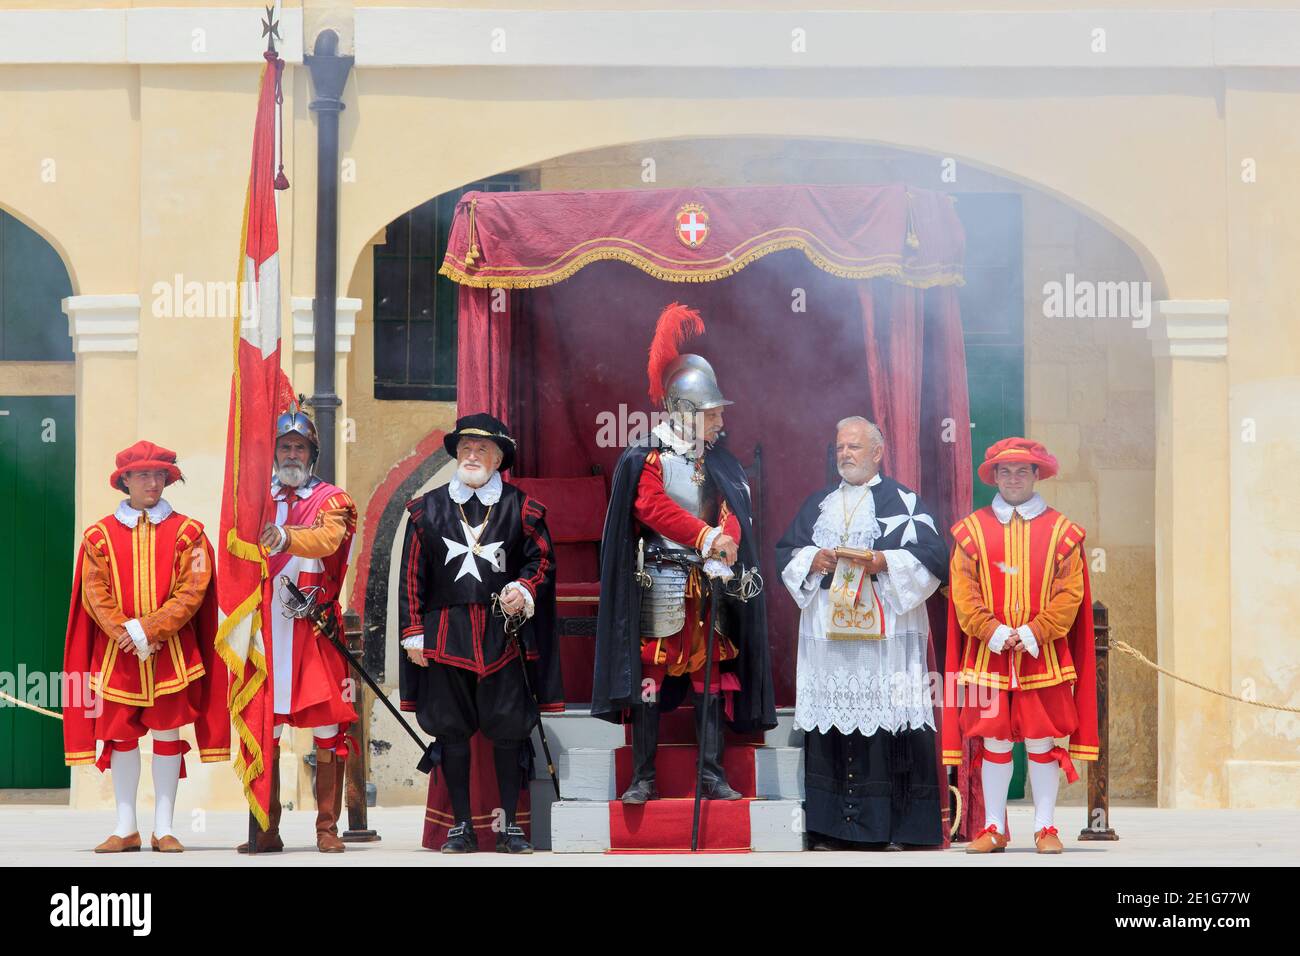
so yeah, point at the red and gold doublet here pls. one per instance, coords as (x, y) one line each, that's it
(159, 575)
(1027, 572)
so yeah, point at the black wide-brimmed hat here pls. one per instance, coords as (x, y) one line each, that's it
(482, 425)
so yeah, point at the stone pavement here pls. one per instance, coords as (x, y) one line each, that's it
(43, 835)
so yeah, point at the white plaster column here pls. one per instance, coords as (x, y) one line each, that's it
(1193, 615)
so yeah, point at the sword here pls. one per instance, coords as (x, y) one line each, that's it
(708, 678)
(303, 605)
(512, 624)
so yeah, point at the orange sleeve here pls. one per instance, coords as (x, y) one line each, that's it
(1056, 619)
(193, 573)
(97, 592)
(968, 597)
(324, 536)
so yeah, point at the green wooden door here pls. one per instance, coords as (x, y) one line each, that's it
(993, 319)
(37, 460)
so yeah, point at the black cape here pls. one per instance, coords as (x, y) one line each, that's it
(616, 685)
(928, 548)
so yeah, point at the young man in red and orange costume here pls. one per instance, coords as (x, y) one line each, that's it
(140, 641)
(1020, 656)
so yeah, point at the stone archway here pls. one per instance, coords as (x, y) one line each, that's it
(1091, 391)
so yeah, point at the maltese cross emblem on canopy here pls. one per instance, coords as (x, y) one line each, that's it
(909, 519)
(472, 549)
(692, 225)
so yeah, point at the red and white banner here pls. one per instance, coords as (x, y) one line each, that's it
(258, 392)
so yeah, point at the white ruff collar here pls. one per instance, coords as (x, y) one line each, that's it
(130, 516)
(863, 530)
(1029, 510)
(489, 492)
(676, 443)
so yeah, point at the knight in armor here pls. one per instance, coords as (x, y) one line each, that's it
(679, 525)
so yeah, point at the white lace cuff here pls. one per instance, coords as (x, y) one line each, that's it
(414, 642)
(528, 596)
(706, 545)
(716, 569)
(138, 638)
(906, 582)
(1027, 636)
(799, 578)
(999, 638)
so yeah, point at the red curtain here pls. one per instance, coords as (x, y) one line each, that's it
(787, 341)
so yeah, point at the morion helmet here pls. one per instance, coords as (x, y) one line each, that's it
(681, 379)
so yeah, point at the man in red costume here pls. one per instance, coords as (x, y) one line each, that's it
(1020, 655)
(141, 639)
(310, 543)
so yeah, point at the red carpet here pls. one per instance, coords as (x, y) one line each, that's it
(665, 826)
(678, 727)
(675, 766)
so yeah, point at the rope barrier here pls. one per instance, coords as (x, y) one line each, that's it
(1132, 651)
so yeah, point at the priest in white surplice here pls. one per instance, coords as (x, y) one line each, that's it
(863, 691)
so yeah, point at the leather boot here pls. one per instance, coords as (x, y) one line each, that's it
(645, 744)
(708, 732)
(329, 801)
(268, 841)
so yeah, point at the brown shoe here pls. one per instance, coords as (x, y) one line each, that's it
(268, 840)
(1047, 841)
(117, 844)
(988, 840)
(329, 801)
(167, 844)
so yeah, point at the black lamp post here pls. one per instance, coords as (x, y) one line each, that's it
(329, 74)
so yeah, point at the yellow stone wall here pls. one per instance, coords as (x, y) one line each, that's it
(151, 166)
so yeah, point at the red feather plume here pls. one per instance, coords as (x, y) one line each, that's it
(676, 324)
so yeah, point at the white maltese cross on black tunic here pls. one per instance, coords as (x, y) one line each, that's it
(472, 549)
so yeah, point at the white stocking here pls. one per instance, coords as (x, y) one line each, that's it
(1045, 781)
(166, 778)
(996, 778)
(125, 768)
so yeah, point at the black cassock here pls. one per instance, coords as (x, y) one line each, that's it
(884, 788)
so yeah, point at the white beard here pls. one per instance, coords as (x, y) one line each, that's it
(855, 475)
(291, 475)
(473, 479)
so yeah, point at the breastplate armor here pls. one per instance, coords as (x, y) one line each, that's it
(679, 485)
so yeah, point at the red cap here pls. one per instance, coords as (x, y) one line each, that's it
(145, 456)
(1011, 450)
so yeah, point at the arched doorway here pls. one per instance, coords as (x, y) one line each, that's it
(37, 507)
(1084, 385)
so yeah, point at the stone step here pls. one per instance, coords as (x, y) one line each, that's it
(575, 729)
(583, 826)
